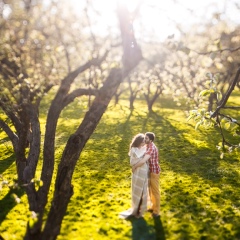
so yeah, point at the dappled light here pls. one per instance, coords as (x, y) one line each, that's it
(79, 79)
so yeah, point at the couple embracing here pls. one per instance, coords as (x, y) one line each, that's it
(145, 176)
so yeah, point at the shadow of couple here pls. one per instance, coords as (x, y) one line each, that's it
(141, 230)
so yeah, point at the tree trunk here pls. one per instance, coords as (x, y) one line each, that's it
(20, 164)
(63, 188)
(211, 100)
(150, 105)
(33, 157)
(131, 101)
(75, 145)
(20, 150)
(116, 99)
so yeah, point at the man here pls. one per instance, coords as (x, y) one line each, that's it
(151, 156)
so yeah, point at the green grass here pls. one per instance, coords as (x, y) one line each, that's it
(200, 193)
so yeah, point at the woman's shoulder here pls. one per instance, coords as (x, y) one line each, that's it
(131, 151)
(144, 148)
(140, 152)
(134, 148)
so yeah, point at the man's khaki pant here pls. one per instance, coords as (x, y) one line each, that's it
(154, 192)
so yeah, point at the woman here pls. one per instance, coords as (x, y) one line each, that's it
(139, 182)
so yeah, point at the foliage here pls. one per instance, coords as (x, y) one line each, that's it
(220, 117)
(207, 48)
(178, 65)
(36, 55)
(199, 191)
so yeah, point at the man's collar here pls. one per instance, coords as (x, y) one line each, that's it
(150, 143)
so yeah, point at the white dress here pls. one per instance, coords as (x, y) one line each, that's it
(139, 184)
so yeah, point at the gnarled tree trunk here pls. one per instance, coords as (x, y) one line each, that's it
(76, 142)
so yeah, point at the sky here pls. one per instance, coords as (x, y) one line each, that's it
(159, 17)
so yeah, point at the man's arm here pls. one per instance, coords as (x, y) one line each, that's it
(141, 162)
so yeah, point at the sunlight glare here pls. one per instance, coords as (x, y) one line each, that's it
(156, 18)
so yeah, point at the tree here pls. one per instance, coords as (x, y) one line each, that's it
(220, 81)
(206, 48)
(29, 69)
(219, 117)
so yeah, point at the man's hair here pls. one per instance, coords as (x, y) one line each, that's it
(151, 135)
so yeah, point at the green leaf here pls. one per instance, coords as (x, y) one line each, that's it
(227, 125)
(204, 93)
(189, 117)
(16, 198)
(198, 124)
(213, 121)
(33, 219)
(224, 120)
(32, 222)
(219, 95)
(38, 184)
(202, 112)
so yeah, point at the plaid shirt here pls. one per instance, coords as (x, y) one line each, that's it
(153, 161)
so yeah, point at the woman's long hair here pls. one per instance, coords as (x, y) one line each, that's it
(136, 141)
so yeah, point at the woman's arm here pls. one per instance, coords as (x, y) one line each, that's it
(135, 160)
(141, 162)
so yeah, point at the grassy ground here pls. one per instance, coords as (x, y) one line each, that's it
(200, 193)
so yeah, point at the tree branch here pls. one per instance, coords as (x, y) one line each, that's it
(231, 107)
(12, 136)
(216, 51)
(231, 119)
(77, 93)
(4, 103)
(227, 95)
(68, 80)
(131, 51)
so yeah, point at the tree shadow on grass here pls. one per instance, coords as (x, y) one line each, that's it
(178, 153)
(8, 202)
(186, 208)
(160, 234)
(141, 230)
(6, 163)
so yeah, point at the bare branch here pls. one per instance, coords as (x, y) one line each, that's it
(131, 51)
(67, 81)
(229, 118)
(231, 107)
(12, 136)
(65, 48)
(217, 51)
(45, 90)
(77, 93)
(4, 103)
(227, 95)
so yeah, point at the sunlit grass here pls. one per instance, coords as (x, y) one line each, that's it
(199, 191)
